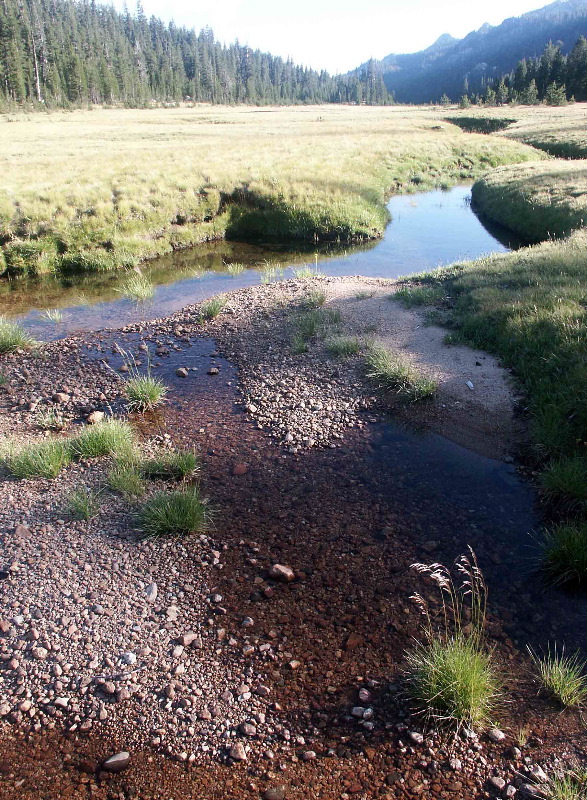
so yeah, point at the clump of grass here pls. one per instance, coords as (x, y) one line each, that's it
(144, 392)
(83, 504)
(394, 373)
(125, 479)
(451, 674)
(52, 315)
(171, 465)
(235, 268)
(563, 676)
(271, 273)
(564, 554)
(50, 420)
(137, 287)
(344, 346)
(365, 295)
(411, 296)
(174, 514)
(310, 323)
(13, 337)
(565, 480)
(108, 438)
(43, 459)
(306, 271)
(314, 299)
(211, 308)
(571, 785)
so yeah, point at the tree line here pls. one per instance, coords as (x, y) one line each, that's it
(64, 53)
(553, 78)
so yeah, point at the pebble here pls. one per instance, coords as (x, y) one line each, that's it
(238, 752)
(181, 372)
(275, 793)
(117, 762)
(151, 592)
(496, 735)
(282, 572)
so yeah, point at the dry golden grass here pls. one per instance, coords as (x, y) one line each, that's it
(106, 188)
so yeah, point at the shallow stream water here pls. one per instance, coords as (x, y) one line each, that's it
(427, 230)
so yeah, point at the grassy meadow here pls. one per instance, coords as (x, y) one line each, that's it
(106, 188)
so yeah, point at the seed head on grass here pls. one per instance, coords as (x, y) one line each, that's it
(451, 675)
(13, 337)
(174, 514)
(211, 308)
(564, 676)
(43, 459)
(171, 465)
(393, 373)
(83, 504)
(112, 437)
(564, 554)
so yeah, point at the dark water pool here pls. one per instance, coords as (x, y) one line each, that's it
(427, 230)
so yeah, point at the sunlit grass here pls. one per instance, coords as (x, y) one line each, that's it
(52, 315)
(43, 459)
(392, 372)
(144, 392)
(210, 309)
(83, 504)
(111, 437)
(13, 337)
(563, 676)
(174, 514)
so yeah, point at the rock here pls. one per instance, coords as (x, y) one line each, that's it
(353, 640)
(188, 638)
(151, 592)
(364, 695)
(247, 729)
(22, 532)
(247, 622)
(470, 385)
(95, 417)
(514, 753)
(416, 737)
(213, 371)
(538, 774)
(117, 762)
(237, 752)
(240, 469)
(496, 735)
(309, 755)
(40, 653)
(496, 785)
(282, 572)
(181, 372)
(531, 790)
(358, 712)
(60, 397)
(275, 793)
(128, 658)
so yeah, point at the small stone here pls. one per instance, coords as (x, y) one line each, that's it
(538, 773)
(117, 762)
(275, 793)
(151, 592)
(181, 372)
(353, 641)
(238, 752)
(240, 469)
(247, 729)
(188, 638)
(496, 784)
(309, 755)
(531, 791)
(282, 572)
(128, 658)
(60, 397)
(22, 532)
(213, 371)
(496, 735)
(95, 417)
(40, 653)
(358, 711)
(514, 753)
(416, 737)
(247, 622)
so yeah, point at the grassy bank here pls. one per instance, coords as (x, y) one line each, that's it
(528, 308)
(537, 200)
(96, 190)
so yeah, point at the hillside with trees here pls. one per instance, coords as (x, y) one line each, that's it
(455, 67)
(60, 53)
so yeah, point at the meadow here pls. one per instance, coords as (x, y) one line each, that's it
(106, 188)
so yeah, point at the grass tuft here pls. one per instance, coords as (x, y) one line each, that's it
(109, 438)
(563, 676)
(411, 296)
(564, 554)
(344, 346)
(43, 459)
(174, 514)
(393, 373)
(125, 479)
(571, 785)
(50, 420)
(451, 674)
(144, 392)
(83, 504)
(211, 308)
(137, 287)
(171, 465)
(52, 315)
(13, 337)
(565, 480)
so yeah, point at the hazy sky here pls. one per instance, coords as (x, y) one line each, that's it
(336, 35)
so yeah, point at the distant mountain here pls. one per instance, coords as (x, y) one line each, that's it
(454, 66)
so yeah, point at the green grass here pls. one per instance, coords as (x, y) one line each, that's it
(314, 299)
(211, 308)
(174, 514)
(563, 676)
(306, 271)
(365, 295)
(109, 438)
(83, 504)
(52, 315)
(564, 554)
(43, 459)
(171, 465)
(412, 296)
(144, 392)
(50, 419)
(565, 480)
(108, 188)
(311, 323)
(394, 373)
(235, 268)
(13, 337)
(137, 287)
(344, 346)
(125, 479)
(451, 674)
(571, 785)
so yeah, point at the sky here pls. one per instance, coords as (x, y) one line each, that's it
(336, 35)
